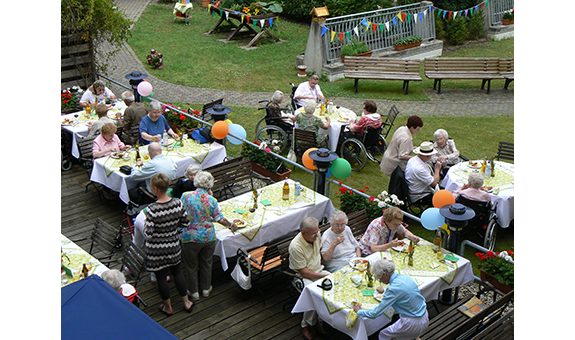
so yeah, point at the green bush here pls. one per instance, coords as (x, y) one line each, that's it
(344, 7)
(457, 31)
(355, 47)
(300, 9)
(475, 25)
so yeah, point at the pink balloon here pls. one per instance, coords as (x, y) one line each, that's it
(145, 88)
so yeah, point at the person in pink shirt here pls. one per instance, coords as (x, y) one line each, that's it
(108, 142)
(370, 118)
(473, 189)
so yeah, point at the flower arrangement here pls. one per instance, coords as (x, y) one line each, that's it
(155, 59)
(407, 40)
(261, 155)
(253, 8)
(179, 119)
(68, 98)
(497, 265)
(353, 202)
(370, 278)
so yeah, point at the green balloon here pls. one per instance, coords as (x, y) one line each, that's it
(341, 168)
(146, 98)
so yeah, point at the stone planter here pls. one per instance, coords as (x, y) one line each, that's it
(276, 177)
(205, 3)
(506, 22)
(491, 279)
(365, 54)
(406, 46)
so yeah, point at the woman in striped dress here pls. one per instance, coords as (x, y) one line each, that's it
(164, 221)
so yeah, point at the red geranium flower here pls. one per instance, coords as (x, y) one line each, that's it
(371, 198)
(182, 117)
(343, 190)
(366, 187)
(361, 190)
(490, 254)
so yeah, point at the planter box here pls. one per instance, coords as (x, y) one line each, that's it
(491, 279)
(276, 177)
(365, 54)
(506, 22)
(406, 46)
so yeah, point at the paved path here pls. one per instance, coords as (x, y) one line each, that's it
(452, 102)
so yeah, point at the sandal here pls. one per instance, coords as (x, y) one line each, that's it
(189, 310)
(161, 309)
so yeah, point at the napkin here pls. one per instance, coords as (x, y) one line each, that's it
(239, 211)
(367, 292)
(451, 258)
(350, 319)
(266, 202)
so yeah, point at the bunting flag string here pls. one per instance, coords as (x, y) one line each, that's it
(261, 23)
(406, 18)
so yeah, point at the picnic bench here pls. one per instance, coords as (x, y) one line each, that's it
(381, 69)
(507, 70)
(264, 21)
(485, 69)
(454, 324)
(233, 178)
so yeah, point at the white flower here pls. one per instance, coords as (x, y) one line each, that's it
(263, 145)
(503, 254)
(274, 142)
(508, 258)
(276, 148)
(387, 200)
(381, 204)
(393, 197)
(384, 193)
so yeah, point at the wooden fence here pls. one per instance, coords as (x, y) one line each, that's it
(77, 61)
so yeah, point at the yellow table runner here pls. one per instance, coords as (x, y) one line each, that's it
(503, 179)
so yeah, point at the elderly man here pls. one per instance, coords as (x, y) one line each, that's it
(153, 126)
(305, 260)
(421, 182)
(404, 296)
(132, 116)
(308, 90)
(159, 163)
(96, 127)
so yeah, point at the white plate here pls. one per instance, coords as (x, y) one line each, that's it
(377, 295)
(239, 220)
(478, 166)
(403, 247)
(115, 155)
(356, 280)
(352, 262)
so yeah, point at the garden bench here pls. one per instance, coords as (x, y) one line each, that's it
(453, 324)
(507, 70)
(381, 69)
(485, 69)
(358, 221)
(244, 27)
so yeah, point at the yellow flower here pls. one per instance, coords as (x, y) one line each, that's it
(256, 11)
(246, 10)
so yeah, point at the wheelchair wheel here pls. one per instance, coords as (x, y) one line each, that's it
(259, 124)
(354, 152)
(269, 133)
(490, 235)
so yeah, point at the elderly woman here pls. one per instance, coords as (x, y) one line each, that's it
(275, 111)
(404, 296)
(154, 124)
(96, 127)
(473, 189)
(187, 183)
(338, 244)
(108, 142)
(97, 92)
(164, 220)
(400, 147)
(385, 232)
(199, 238)
(447, 153)
(117, 280)
(309, 122)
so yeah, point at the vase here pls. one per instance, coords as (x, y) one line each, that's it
(276, 177)
(364, 54)
(406, 46)
(491, 279)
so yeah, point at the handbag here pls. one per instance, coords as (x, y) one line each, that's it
(291, 153)
(126, 169)
(245, 281)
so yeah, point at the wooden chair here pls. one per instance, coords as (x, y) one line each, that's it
(388, 123)
(134, 264)
(505, 151)
(85, 146)
(105, 239)
(303, 140)
(358, 221)
(231, 178)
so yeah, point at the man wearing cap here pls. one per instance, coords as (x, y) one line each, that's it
(420, 181)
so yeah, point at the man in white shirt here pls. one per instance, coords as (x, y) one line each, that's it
(308, 90)
(420, 181)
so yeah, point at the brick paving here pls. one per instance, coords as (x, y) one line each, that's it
(452, 102)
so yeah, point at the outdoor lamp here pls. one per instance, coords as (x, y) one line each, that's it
(135, 78)
(322, 159)
(457, 217)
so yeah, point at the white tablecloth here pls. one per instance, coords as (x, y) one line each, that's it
(274, 223)
(311, 298)
(336, 122)
(503, 186)
(121, 183)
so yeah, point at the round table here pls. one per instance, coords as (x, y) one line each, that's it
(503, 192)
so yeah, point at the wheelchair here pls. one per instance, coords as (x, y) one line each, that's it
(485, 221)
(275, 128)
(357, 151)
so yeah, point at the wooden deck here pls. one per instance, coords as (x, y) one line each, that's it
(229, 312)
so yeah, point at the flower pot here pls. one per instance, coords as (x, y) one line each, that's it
(491, 279)
(205, 3)
(364, 54)
(276, 177)
(406, 46)
(506, 22)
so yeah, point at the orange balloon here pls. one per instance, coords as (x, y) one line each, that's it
(220, 129)
(306, 159)
(443, 197)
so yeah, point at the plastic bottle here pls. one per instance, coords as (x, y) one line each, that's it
(285, 195)
(330, 107)
(483, 166)
(165, 138)
(297, 189)
(488, 169)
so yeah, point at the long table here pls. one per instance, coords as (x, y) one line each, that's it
(105, 169)
(74, 258)
(334, 306)
(268, 222)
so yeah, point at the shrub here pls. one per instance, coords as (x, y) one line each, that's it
(355, 47)
(344, 7)
(300, 9)
(457, 31)
(476, 24)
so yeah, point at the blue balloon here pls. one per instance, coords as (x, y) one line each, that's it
(237, 130)
(328, 173)
(431, 219)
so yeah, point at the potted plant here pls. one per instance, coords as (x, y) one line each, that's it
(407, 42)
(495, 269)
(508, 18)
(265, 164)
(355, 48)
(70, 99)
(179, 121)
(350, 202)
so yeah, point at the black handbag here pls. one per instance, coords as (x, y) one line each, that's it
(125, 169)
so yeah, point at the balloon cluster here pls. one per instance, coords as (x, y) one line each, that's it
(431, 219)
(340, 167)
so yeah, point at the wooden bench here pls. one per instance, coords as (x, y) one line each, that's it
(381, 69)
(452, 323)
(358, 221)
(485, 69)
(507, 70)
(506, 151)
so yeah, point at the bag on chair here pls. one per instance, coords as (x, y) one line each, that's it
(291, 154)
(245, 281)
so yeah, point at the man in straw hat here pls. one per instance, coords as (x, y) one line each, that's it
(421, 182)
